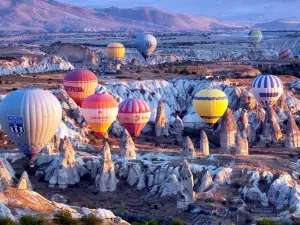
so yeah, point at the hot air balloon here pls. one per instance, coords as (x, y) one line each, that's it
(267, 89)
(255, 37)
(30, 117)
(134, 114)
(115, 51)
(146, 44)
(210, 104)
(80, 84)
(285, 54)
(100, 111)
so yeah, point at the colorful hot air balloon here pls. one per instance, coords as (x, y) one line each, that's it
(80, 84)
(134, 114)
(115, 51)
(30, 117)
(267, 89)
(100, 111)
(285, 54)
(255, 37)
(210, 105)
(146, 44)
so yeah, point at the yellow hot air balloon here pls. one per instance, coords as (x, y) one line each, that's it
(255, 37)
(210, 105)
(115, 51)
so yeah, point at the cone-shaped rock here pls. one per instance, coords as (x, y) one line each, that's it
(243, 123)
(228, 131)
(204, 144)
(271, 128)
(67, 153)
(24, 182)
(5, 177)
(292, 136)
(161, 122)
(206, 182)
(188, 149)
(127, 146)
(241, 144)
(178, 126)
(105, 152)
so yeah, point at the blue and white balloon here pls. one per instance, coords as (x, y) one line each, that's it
(146, 44)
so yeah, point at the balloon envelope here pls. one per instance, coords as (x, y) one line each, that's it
(134, 114)
(115, 51)
(255, 37)
(30, 117)
(146, 44)
(210, 105)
(267, 89)
(80, 84)
(285, 54)
(100, 111)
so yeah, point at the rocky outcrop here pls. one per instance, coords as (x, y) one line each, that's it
(243, 124)
(228, 131)
(127, 146)
(178, 128)
(206, 183)
(161, 121)
(204, 144)
(292, 136)
(169, 187)
(134, 173)
(106, 179)
(24, 182)
(271, 128)
(52, 146)
(188, 149)
(6, 179)
(241, 144)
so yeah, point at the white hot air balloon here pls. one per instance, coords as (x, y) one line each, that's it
(30, 117)
(267, 89)
(146, 44)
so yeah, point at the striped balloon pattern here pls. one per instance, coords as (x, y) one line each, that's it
(134, 114)
(255, 37)
(210, 104)
(267, 89)
(115, 51)
(80, 84)
(285, 54)
(30, 117)
(100, 111)
(146, 44)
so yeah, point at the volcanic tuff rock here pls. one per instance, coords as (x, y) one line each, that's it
(204, 143)
(169, 187)
(127, 146)
(271, 128)
(161, 121)
(188, 149)
(228, 131)
(24, 182)
(292, 135)
(6, 179)
(206, 182)
(106, 179)
(241, 144)
(243, 124)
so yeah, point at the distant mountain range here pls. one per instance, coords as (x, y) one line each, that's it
(52, 16)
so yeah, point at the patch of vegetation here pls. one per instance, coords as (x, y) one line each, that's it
(122, 207)
(266, 221)
(177, 222)
(151, 222)
(7, 221)
(209, 200)
(91, 219)
(31, 220)
(64, 217)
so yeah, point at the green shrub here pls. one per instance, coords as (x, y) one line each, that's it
(152, 222)
(64, 217)
(266, 221)
(91, 219)
(31, 220)
(7, 221)
(177, 222)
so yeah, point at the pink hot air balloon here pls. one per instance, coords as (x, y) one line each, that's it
(134, 114)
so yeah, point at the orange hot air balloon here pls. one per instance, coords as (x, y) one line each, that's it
(80, 84)
(134, 114)
(100, 111)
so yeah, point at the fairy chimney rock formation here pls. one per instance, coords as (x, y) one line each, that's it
(292, 136)
(161, 122)
(106, 179)
(243, 124)
(188, 149)
(204, 144)
(24, 182)
(127, 146)
(5, 177)
(271, 128)
(67, 154)
(228, 131)
(241, 144)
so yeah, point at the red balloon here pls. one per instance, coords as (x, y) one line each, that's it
(134, 114)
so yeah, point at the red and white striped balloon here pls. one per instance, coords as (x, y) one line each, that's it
(134, 114)
(285, 54)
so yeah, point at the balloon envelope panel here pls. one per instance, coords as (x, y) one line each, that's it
(30, 117)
